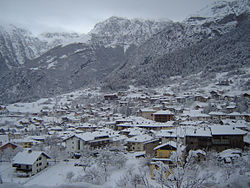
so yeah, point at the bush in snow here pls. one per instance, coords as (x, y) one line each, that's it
(180, 174)
(94, 175)
(133, 178)
(69, 176)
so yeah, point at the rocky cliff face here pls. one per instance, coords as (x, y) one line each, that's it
(117, 31)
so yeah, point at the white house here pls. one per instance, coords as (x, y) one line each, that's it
(93, 140)
(30, 162)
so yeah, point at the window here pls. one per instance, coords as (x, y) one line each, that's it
(78, 143)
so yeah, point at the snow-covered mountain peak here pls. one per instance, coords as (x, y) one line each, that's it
(117, 31)
(11, 29)
(63, 38)
(218, 10)
(18, 45)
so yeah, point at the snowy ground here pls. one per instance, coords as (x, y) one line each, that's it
(55, 175)
(48, 103)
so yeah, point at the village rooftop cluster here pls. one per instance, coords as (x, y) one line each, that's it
(138, 121)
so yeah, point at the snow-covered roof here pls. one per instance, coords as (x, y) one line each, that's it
(235, 114)
(172, 133)
(86, 125)
(226, 130)
(88, 136)
(236, 123)
(217, 114)
(28, 157)
(195, 113)
(140, 138)
(147, 110)
(198, 131)
(163, 112)
(185, 123)
(231, 106)
(119, 138)
(170, 143)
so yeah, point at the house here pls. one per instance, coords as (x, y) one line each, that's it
(201, 98)
(30, 162)
(136, 143)
(121, 123)
(163, 116)
(150, 145)
(231, 108)
(147, 113)
(165, 150)
(93, 140)
(215, 95)
(228, 98)
(181, 99)
(86, 127)
(198, 138)
(236, 116)
(110, 97)
(120, 127)
(195, 115)
(227, 137)
(25, 142)
(163, 153)
(170, 135)
(132, 131)
(156, 126)
(218, 115)
(8, 145)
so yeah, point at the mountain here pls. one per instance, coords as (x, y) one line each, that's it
(117, 31)
(62, 69)
(119, 52)
(73, 61)
(173, 51)
(18, 45)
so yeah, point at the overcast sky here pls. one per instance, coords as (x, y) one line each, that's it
(81, 15)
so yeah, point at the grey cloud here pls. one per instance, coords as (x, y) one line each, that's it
(81, 15)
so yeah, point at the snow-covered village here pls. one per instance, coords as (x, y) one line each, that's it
(124, 94)
(135, 138)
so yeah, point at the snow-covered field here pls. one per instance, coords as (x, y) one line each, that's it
(56, 175)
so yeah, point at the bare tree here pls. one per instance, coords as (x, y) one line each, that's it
(94, 175)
